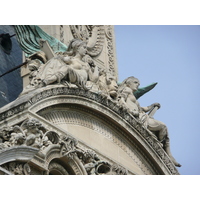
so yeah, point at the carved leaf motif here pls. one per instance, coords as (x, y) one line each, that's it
(90, 35)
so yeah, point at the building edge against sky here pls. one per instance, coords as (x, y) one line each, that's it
(73, 130)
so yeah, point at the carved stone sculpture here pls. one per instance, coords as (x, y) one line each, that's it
(68, 68)
(91, 162)
(69, 145)
(72, 71)
(32, 133)
(128, 101)
(5, 137)
(17, 168)
(108, 84)
(118, 170)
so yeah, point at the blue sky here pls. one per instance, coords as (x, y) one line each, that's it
(169, 55)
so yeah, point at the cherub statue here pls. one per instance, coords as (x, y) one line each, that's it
(33, 132)
(128, 101)
(18, 136)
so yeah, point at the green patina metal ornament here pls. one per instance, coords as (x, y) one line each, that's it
(144, 90)
(29, 37)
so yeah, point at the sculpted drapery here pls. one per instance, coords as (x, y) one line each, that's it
(76, 68)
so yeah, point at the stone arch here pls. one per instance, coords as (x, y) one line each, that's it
(125, 137)
(57, 168)
(56, 164)
(151, 155)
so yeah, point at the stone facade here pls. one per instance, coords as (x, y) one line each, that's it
(101, 44)
(116, 137)
(64, 124)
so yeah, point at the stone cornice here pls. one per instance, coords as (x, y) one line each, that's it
(32, 102)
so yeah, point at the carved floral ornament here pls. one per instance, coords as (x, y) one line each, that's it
(32, 134)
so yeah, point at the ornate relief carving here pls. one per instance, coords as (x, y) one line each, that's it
(18, 168)
(76, 116)
(92, 34)
(29, 133)
(32, 133)
(108, 32)
(12, 111)
(110, 48)
(68, 145)
(118, 170)
(92, 163)
(74, 68)
(85, 98)
(128, 101)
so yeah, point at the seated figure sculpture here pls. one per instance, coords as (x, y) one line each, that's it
(128, 101)
(70, 67)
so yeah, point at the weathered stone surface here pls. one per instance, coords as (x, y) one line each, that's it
(76, 116)
(81, 111)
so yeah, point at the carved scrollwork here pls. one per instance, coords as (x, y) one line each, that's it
(108, 32)
(92, 34)
(109, 38)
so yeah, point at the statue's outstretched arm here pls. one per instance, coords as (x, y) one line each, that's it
(151, 107)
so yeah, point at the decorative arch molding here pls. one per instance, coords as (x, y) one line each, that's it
(59, 110)
(51, 159)
(149, 149)
(24, 159)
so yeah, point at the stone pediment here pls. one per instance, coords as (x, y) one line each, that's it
(99, 124)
